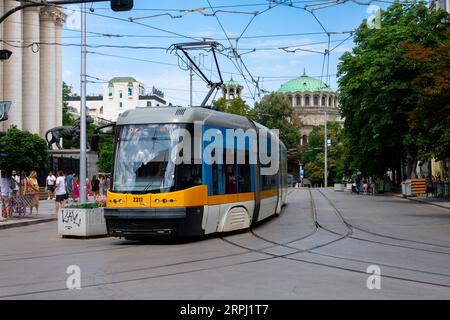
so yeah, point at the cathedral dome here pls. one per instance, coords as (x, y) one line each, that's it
(304, 84)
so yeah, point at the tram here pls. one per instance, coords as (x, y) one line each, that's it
(159, 190)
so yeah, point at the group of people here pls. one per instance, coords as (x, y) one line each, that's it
(23, 186)
(67, 188)
(22, 190)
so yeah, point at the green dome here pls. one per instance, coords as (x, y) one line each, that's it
(232, 83)
(304, 84)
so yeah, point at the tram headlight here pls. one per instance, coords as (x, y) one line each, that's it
(164, 200)
(120, 201)
(156, 200)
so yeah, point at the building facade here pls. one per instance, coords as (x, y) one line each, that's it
(311, 99)
(119, 95)
(440, 5)
(32, 77)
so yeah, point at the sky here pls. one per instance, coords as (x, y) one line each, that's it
(257, 28)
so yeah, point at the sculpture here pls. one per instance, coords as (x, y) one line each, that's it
(72, 133)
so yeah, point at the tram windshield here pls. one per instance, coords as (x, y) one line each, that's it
(146, 160)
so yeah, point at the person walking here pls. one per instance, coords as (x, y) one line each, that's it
(101, 185)
(69, 184)
(4, 185)
(34, 192)
(88, 193)
(14, 183)
(76, 189)
(50, 185)
(95, 187)
(60, 191)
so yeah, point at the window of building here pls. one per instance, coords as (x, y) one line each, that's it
(329, 102)
(130, 91)
(324, 101)
(290, 100)
(110, 91)
(149, 103)
(335, 102)
(304, 140)
(101, 110)
(316, 100)
(121, 105)
(120, 94)
(299, 100)
(306, 100)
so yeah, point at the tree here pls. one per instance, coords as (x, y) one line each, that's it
(376, 90)
(24, 151)
(68, 119)
(275, 112)
(105, 155)
(430, 119)
(313, 154)
(235, 106)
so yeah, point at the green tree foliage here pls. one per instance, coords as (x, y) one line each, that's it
(376, 91)
(313, 154)
(105, 155)
(430, 120)
(274, 112)
(235, 106)
(68, 119)
(24, 151)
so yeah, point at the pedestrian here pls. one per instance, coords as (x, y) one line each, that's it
(101, 185)
(358, 183)
(69, 184)
(14, 183)
(34, 192)
(50, 185)
(88, 189)
(60, 191)
(107, 184)
(76, 188)
(4, 185)
(95, 187)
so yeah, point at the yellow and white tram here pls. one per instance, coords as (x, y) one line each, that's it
(153, 193)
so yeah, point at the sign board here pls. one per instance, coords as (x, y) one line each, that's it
(302, 173)
(4, 109)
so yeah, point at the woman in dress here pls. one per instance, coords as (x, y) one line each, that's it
(76, 189)
(34, 192)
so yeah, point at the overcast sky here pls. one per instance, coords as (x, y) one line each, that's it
(176, 21)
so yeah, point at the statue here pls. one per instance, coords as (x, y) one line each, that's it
(72, 133)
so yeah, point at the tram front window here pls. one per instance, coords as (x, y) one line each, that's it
(146, 158)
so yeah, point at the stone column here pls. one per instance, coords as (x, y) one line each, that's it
(47, 70)
(30, 71)
(12, 68)
(58, 77)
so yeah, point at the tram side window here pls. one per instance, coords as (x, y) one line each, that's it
(230, 176)
(244, 175)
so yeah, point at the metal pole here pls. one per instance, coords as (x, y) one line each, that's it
(83, 107)
(190, 80)
(326, 153)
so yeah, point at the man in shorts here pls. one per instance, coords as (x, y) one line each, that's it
(60, 191)
(50, 185)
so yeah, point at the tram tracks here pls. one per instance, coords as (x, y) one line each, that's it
(264, 256)
(348, 234)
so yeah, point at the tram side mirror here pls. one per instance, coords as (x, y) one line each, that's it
(95, 142)
(121, 5)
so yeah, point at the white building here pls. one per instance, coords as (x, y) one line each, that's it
(440, 5)
(32, 77)
(119, 95)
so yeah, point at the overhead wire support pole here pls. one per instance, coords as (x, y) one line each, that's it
(83, 108)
